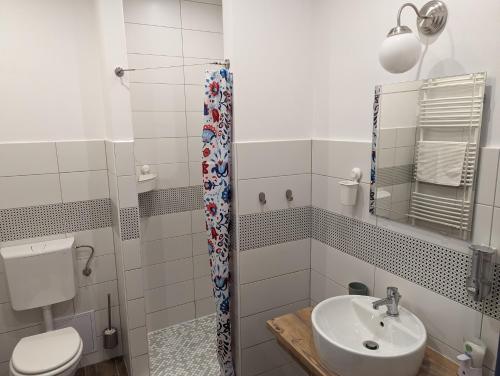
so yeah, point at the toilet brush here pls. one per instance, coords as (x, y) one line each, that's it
(110, 334)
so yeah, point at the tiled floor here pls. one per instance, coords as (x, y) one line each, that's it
(112, 367)
(186, 349)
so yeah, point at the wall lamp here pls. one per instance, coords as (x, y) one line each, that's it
(401, 49)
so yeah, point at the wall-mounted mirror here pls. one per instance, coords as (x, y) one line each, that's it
(425, 152)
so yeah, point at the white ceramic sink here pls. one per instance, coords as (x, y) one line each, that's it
(343, 324)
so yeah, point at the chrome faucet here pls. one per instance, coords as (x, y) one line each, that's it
(391, 301)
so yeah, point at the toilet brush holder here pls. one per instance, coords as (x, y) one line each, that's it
(110, 334)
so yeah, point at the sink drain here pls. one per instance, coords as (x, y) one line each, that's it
(370, 345)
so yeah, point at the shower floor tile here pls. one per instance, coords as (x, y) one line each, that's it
(186, 349)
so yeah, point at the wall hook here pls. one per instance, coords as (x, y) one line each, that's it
(289, 195)
(262, 198)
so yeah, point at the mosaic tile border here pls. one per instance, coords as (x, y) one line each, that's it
(440, 269)
(172, 200)
(394, 175)
(129, 223)
(274, 227)
(43, 220)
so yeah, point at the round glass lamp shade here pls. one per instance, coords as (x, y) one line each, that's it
(399, 53)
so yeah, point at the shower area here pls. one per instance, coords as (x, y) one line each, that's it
(183, 37)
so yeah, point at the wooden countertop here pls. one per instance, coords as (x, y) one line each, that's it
(294, 333)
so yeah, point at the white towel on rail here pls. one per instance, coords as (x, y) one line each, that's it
(440, 162)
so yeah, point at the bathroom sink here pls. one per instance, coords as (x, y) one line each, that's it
(353, 339)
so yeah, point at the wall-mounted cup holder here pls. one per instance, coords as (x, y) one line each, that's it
(349, 188)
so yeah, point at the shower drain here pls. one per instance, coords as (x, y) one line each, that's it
(370, 345)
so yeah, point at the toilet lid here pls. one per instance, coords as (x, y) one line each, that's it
(47, 351)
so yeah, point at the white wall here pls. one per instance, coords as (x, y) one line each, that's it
(348, 35)
(51, 83)
(268, 43)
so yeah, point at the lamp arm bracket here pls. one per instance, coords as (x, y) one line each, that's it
(413, 6)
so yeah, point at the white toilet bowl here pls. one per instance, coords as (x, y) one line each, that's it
(53, 353)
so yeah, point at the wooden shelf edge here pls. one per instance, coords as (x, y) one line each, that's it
(293, 332)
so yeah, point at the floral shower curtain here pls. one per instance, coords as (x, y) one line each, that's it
(216, 164)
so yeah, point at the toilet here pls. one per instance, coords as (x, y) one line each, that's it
(38, 276)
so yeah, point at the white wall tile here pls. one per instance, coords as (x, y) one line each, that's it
(195, 97)
(131, 252)
(160, 150)
(136, 313)
(495, 234)
(202, 44)
(198, 221)
(264, 159)
(194, 149)
(171, 175)
(127, 191)
(274, 292)
(124, 157)
(14, 320)
(134, 286)
(28, 158)
(497, 192)
(199, 16)
(173, 75)
(387, 138)
(481, 230)
(138, 340)
(145, 39)
(205, 307)
(405, 136)
(429, 307)
(168, 225)
(168, 273)
(87, 185)
(20, 191)
(195, 74)
(340, 267)
(170, 316)
(263, 357)
(200, 246)
(195, 173)
(323, 288)
(201, 265)
(103, 269)
(152, 12)
(153, 124)
(490, 332)
(275, 190)
(140, 365)
(275, 260)
(327, 154)
(202, 287)
(162, 250)
(326, 195)
(81, 156)
(194, 123)
(110, 156)
(157, 97)
(488, 163)
(254, 329)
(169, 296)
(101, 239)
(95, 296)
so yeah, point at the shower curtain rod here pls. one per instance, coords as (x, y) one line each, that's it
(119, 71)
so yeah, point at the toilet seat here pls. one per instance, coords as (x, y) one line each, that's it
(47, 354)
